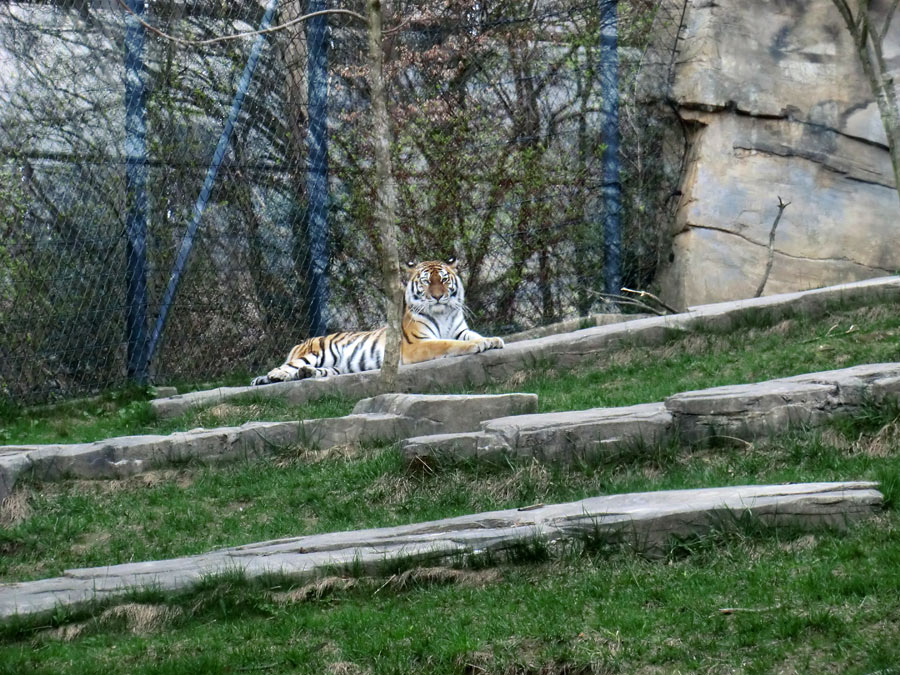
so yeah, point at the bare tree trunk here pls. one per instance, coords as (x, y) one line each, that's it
(386, 200)
(869, 43)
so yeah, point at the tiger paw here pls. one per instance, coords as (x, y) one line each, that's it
(306, 371)
(489, 343)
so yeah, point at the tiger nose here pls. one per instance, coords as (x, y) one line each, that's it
(436, 293)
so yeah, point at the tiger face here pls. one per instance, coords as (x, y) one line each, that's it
(434, 287)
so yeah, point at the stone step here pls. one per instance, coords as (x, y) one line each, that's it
(646, 521)
(128, 455)
(389, 418)
(745, 411)
(563, 350)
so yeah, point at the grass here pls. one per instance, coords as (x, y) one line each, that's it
(761, 350)
(828, 602)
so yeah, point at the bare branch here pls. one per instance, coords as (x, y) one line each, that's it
(236, 36)
(762, 284)
(646, 294)
(887, 22)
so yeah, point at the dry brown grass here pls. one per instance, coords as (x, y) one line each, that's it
(217, 414)
(316, 590)
(139, 619)
(883, 443)
(134, 618)
(346, 668)
(412, 578)
(183, 478)
(303, 455)
(90, 541)
(438, 576)
(15, 509)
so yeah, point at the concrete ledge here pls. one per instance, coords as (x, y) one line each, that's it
(564, 350)
(646, 521)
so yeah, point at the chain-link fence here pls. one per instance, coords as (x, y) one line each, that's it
(186, 212)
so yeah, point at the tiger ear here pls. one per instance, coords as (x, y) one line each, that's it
(451, 262)
(410, 264)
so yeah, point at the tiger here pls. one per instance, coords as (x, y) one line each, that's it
(434, 326)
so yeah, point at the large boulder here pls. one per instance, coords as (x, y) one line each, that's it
(778, 106)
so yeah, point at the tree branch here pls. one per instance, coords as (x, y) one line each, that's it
(236, 36)
(762, 284)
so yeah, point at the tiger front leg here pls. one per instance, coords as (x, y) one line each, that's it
(427, 350)
(286, 372)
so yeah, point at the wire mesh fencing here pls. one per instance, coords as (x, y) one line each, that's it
(187, 209)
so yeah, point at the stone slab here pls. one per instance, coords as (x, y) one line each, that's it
(452, 413)
(333, 432)
(570, 325)
(752, 410)
(566, 350)
(744, 411)
(645, 521)
(581, 435)
(128, 455)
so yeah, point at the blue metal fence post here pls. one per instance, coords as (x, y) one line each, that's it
(612, 186)
(187, 244)
(317, 166)
(136, 196)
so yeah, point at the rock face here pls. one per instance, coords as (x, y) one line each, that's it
(777, 105)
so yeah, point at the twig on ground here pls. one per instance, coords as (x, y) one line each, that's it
(625, 300)
(647, 294)
(751, 610)
(853, 328)
(390, 579)
(733, 438)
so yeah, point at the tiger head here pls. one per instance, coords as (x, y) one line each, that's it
(434, 287)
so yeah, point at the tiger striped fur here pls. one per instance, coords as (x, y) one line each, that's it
(434, 326)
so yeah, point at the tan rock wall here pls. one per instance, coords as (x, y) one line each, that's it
(778, 106)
